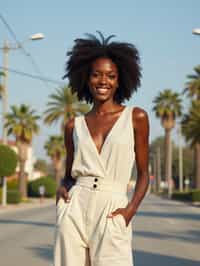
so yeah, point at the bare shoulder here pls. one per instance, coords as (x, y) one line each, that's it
(140, 118)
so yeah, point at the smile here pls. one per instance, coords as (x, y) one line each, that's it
(102, 90)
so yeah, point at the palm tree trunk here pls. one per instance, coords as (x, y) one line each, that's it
(168, 161)
(197, 165)
(23, 154)
(57, 177)
(22, 179)
(158, 169)
(57, 163)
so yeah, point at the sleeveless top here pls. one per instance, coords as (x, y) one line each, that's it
(115, 161)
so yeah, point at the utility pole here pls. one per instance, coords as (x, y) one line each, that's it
(6, 48)
(5, 88)
(180, 151)
(5, 110)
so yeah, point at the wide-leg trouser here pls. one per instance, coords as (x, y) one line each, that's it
(85, 236)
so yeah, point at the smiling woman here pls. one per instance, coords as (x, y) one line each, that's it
(124, 56)
(103, 79)
(93, 211)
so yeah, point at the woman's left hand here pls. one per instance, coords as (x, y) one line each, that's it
(125, 212)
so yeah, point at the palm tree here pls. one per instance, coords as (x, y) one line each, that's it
(191, 131)
(21, 122)
(1, 86)
(167, 106)
(63, 105)
(55, 149)
(193, 85)
(193, 91)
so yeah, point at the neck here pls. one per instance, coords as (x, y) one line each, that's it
(105, 107)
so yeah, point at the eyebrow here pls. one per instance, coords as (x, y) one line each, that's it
(109, 71)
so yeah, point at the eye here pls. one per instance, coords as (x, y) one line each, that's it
(112, 76)
(95, 74)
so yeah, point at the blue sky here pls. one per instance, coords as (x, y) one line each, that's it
(161, 30)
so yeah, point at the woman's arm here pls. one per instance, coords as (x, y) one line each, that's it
(67, 181)
(141, 139)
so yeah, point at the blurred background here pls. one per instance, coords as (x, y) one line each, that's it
(35, 103)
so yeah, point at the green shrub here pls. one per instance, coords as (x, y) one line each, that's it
(49, 184)
(185, 196)
(12, 184)
(13, 196)
(8, 161)
(196, 195)
(192, 195)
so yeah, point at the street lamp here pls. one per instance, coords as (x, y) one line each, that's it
(196, 31)
(36, 36)
(6, 48)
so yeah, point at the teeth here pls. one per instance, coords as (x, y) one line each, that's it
(102, 90)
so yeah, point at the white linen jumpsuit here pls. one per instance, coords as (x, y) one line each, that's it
(84, 234)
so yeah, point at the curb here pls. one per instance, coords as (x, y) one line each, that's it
(25, 206)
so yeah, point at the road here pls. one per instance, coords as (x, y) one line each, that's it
(166, 233)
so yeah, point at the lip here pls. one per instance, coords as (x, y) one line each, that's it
(102, 90)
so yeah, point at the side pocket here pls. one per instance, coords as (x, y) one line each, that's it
(62, 206)
(121, 221)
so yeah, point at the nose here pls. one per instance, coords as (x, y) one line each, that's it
(103, 79)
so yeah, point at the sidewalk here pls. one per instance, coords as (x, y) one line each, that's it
(33, 203)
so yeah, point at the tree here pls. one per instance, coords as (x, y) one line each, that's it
(1, 86)
(41, 165)
(193, 85)
(21, 122)
(188, 160)
(55, 149)
(155, 144)
(63, 105)
(8, 161)
(191, 131)
(193, 91)
(167, 106)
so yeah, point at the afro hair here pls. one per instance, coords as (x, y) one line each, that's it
(85, 51)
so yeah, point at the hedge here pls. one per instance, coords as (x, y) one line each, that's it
(192, 195)
(49, 184)
(185, 196)
(8, 161)
(196, 195)
(13, 184)
(13, 196)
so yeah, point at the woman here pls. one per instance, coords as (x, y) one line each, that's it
(93, 211)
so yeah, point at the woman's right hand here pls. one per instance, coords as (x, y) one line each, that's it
(62, 193)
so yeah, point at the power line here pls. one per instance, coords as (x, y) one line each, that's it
(9, 29)
(21, 73)
(14, 36)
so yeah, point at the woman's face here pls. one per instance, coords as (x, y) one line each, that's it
(103, 79)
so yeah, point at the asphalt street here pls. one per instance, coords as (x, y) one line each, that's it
(165, 233)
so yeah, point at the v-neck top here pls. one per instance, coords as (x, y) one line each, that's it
(108, 134)
(116, 159)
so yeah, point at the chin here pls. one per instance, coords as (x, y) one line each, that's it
(101, 98)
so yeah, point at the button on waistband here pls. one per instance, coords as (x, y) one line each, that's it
(96, 183)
